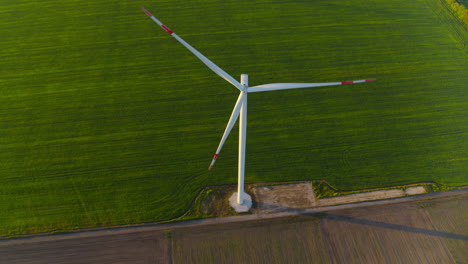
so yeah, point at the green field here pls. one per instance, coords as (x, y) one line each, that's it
(106, 119)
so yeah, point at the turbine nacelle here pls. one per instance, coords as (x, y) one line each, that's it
(244, 80)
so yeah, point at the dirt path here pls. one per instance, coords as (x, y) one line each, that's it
(397, 229)
(215, 221)
(361, 197)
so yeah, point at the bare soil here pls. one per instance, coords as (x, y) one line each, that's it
(361, 197)
(450, 215)
(287, 197)
(290, 197)
(394, 233)
(286, 240)
(148, 247)
(415, 190)
(397, 233)
(428, 231)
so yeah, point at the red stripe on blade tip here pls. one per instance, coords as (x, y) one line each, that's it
(215, 156)
(146, 12)
(167, 29)
(347, 82)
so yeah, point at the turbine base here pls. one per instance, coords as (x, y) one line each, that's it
(240, 208)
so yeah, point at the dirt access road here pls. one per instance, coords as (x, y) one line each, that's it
(411, 231)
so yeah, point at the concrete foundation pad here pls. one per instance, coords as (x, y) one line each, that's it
(240, 208)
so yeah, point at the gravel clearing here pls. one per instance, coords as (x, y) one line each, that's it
(415, 190)
(361, 197)
(286, 197)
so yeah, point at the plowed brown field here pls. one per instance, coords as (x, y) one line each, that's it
(427, 231)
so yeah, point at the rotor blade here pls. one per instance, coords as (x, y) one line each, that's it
(204, 59)
(283, 86)
(232, 120)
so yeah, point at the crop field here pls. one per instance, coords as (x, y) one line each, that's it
(277, 241)
(449, 216)
(274, 242)
(105, 119)
(134, 248)
(396, 233)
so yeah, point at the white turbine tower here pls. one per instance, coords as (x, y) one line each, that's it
(240, 109)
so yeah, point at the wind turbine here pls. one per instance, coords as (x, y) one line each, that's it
(240, 109)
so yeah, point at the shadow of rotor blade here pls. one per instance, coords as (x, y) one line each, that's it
(306, 212)
(394, 226)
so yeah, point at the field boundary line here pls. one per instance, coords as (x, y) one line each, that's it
(337, 191)
(441, 240)
(446, 17)
(149, 227)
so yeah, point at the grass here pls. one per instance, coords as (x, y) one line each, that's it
(323, 190)
(212, 201)
(105, 119)
(459, 10)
